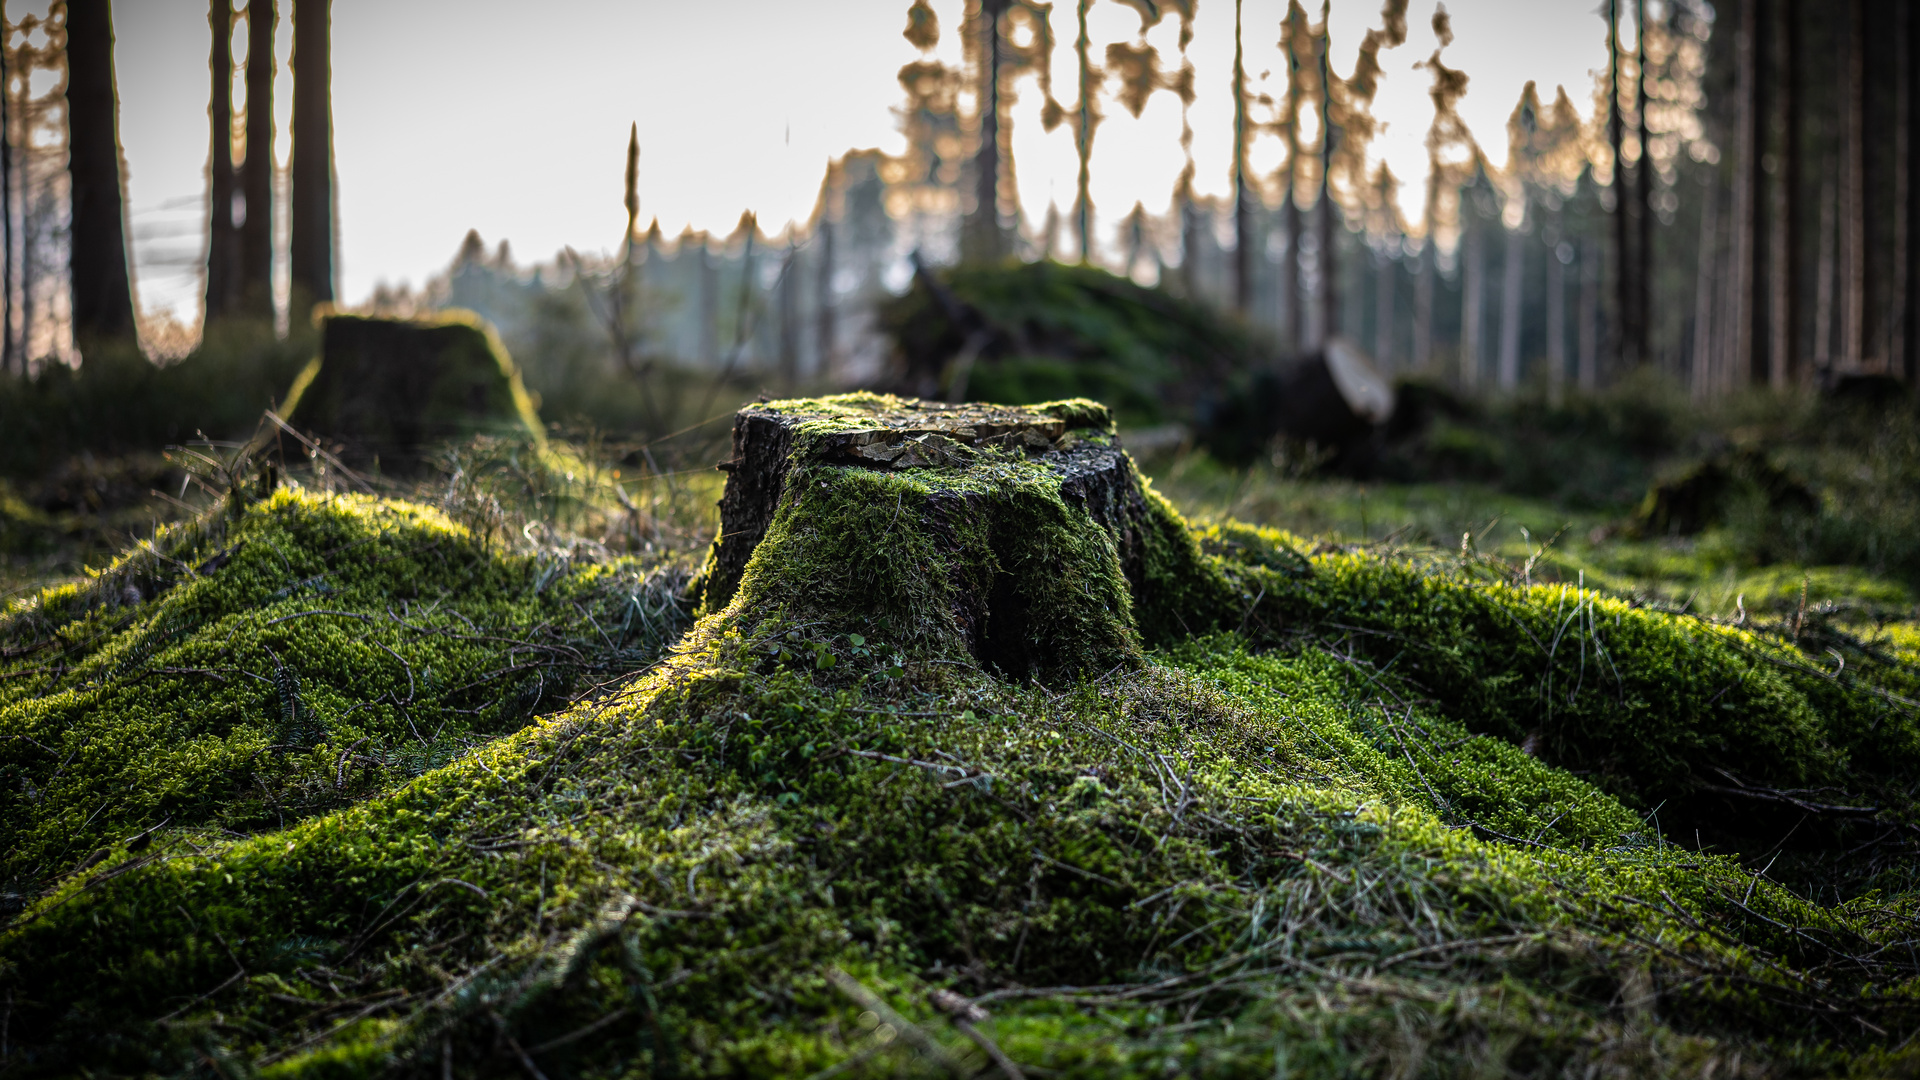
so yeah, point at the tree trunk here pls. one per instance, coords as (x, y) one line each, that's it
(256, 171)
(1329, 140)
(1899, 314)
(984, 229)
(1556, 324)
(1784, 366)
(1425, 271)
(1383, 308)
(1242, 205)
(1755, 114)
(1471, 304)
(222, 242)
(7, 352)
(1623, 265)
(1701, 376)
(1590, 316)
(102, 289)
(1511, 294)
(788, 299)
(1853, 202)
(1911, 298)
(1643, 197)
(1738, 346)
(826, 331)
(1290, 307)
(1823, 282)
(1083, 141)
(310, 243)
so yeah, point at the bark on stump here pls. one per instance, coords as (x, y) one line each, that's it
(1035, 532)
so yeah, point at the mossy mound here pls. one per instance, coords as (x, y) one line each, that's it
(241, 673)
(826, 832)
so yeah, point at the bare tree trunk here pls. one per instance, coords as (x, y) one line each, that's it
(1083, 141)
(1623, 265)
(1910, 362)
(1853, 204)
(788, 300)
(709, 284)
(310, 209)
(827, 330)
(102, 287)
(1823, 280)
(1643, 197)
(256, 171)
(1471, 305)
(1242, 204)
(1701, 376)
(1425, 272)
(1898, 313)
(984, 230)
(1383, 308)
(1556, 324)
(1511, 293)
(1329, 141)
(1290, 307)
(1589, 316)
(6, 211)
(1783, 367)
(24, 110)
(1747, 180)
(222, 241)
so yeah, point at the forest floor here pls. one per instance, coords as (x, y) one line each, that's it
(364, 777)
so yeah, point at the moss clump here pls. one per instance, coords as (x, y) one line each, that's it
(243, 674)
(1252, 850)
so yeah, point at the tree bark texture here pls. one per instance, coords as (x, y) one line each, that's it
(1737, 348)
(223, 251)
(310, 239)
(102, 287)
(256, 171)
(984, 230)
(1783, 358)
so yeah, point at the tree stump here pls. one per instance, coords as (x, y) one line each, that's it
(388, 388)
(1012, 537)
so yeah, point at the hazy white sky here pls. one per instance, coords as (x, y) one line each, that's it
(512, 118)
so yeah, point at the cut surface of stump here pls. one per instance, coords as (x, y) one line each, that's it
(1018, 537)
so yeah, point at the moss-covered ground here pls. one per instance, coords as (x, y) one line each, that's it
(1286, 807)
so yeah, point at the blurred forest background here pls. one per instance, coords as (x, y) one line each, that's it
(1698, 273)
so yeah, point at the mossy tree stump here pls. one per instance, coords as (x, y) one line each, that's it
(1018, 539)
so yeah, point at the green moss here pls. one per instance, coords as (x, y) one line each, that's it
(1299, 837)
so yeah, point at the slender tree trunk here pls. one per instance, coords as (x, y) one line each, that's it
(789, 300)
(1329, 142)
(7, 358)
(985, 232)
(1471, 305)
(1426, 271)
(1853, 240)
(1189, 244)
(1290, 307)
(709, 304)
(1383, 308)
(1511, 293)
(1911, 298)
(1899, 314)
(1784, 366)
(1823, 279)
(310, 243)
(1747, 181)
(1242, 204)
(1589, 316)
(1083, 139)
(1643, 196)
(1701, 376)
(256, 171)
(102, 288)
(1756, 114)
(827, 330)
(1623, 265)
(222, 241)
(1556, 323)
(23, 70)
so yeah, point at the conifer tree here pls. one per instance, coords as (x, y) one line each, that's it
(310, 242)
(102, 287)
(222, 241)
(256, 171)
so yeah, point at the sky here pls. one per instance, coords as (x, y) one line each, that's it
(511, 118)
